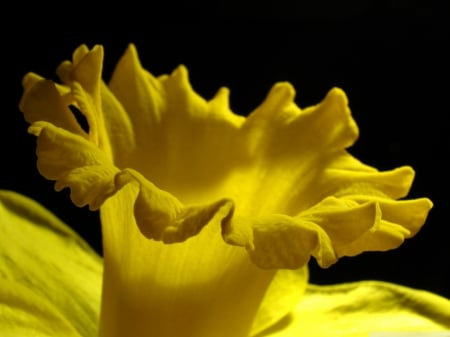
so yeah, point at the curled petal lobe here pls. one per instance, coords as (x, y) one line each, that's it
(160, 216)
(93, 178)
(278, 240)
(334, 228)
(43, 102)
(399, 220)
(74, 162)
(392, 184)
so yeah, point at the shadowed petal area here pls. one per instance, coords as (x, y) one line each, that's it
(361, 308)
(161, 217)
(50, 279)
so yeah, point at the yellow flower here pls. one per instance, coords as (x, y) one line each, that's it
(209, 218)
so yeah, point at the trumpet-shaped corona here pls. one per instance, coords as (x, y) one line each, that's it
(209, 218)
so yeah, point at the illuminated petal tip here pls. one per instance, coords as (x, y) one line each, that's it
(335, 107)
(181, 71)
(222, 96)
(339, 95)
(30, 79)
(181, 75)
(86, 66)
(284, 91)
(280, 95)
(79, 53)
(83, 51)
(131, 49)
(162, 217)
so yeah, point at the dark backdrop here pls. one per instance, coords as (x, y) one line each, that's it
(390, 57)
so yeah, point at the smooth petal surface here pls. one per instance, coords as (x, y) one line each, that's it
(361, 308)
(284, 292)
(50, 279)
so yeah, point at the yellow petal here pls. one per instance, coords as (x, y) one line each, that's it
(398, 221)
(160, 216)
(43, 101)
(73, 161)
(284, 292)
(279, 240)
(50, 279)
(23, 312)
(361, 308)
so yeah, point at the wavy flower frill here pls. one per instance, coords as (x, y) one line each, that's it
(279, 183)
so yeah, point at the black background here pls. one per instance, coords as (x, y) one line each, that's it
(390, 57)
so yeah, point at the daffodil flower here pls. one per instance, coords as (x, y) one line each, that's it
(208, 218)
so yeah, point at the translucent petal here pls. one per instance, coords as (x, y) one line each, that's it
(283, 294)
(361, 308)
(50, 279)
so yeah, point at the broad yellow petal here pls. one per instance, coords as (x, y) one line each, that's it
(284, 292)
(361, 308)
(50, 279)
